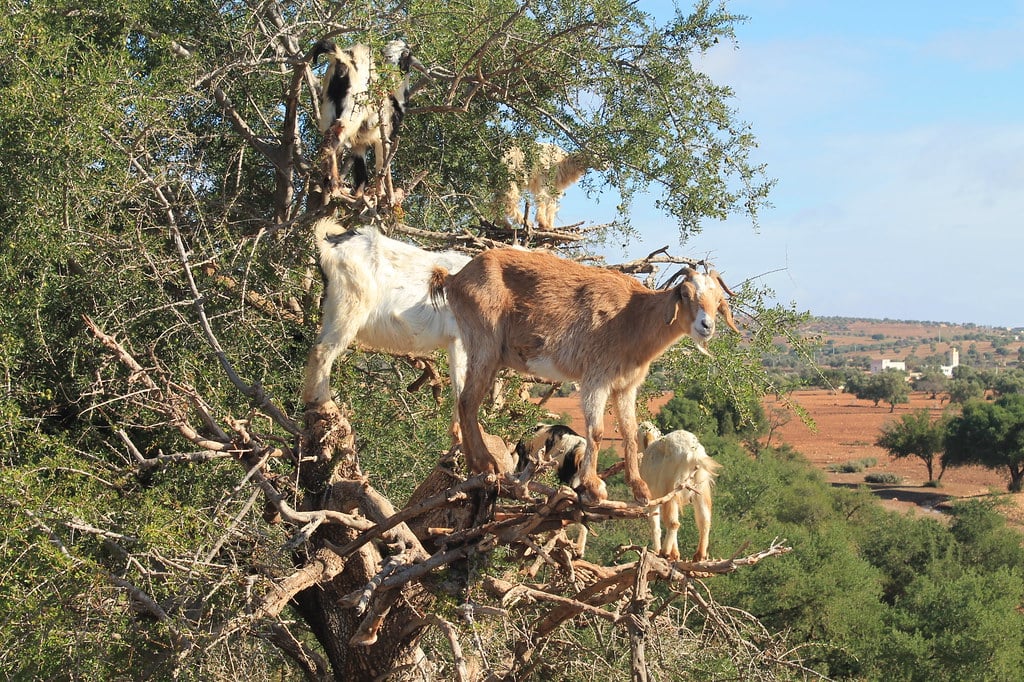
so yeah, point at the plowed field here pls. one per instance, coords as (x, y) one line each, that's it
(845, 430)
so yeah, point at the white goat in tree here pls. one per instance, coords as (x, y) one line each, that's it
(377, 293)
(677, 460)
(348, 116)
(553, 171)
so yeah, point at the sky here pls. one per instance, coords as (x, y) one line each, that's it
(895, 132)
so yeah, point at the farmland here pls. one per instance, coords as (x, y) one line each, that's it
(845, 428)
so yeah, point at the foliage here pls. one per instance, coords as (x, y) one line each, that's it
(963, 389)
(695, 408)
(156, 163)
(865, 580)
(884, 478)
(1011, 381)
(988, 542)
(955, 624)
(933, 382)
(889, 385)
(990, 434)
(915, 435)
(854, 466)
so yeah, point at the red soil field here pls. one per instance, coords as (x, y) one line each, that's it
(845, 429)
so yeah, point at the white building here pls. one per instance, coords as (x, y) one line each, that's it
(954, 361)
(882, 364)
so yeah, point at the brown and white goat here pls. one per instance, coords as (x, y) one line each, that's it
(553, 171)
(546, 316)
(676, 460)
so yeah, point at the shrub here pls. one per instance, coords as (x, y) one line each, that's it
(854, 466)
(886, 478)
(695, 408)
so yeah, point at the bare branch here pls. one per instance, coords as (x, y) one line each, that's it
(461, 667)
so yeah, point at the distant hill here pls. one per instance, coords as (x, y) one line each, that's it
(856, 341)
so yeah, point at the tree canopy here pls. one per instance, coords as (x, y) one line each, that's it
(990, 434)
(889, 385)
(915, 434)
(159, 165)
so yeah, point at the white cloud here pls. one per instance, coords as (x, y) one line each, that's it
(898, 168)
(918, 207)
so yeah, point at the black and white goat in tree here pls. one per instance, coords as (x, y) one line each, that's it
(349, 118)
(564, 449)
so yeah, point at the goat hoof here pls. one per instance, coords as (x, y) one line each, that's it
(641, 493)
(594, 496)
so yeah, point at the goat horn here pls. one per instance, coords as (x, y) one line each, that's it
(721, 282)
(322, 47)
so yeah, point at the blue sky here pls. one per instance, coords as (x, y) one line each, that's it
(895, 131)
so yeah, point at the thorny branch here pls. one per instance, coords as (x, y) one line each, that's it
(532, 508)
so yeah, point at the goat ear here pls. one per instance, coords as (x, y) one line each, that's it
(672, 308)
(726, 311)
(684, 293)
(723, 307)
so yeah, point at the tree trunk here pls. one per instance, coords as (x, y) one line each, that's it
(333, 481)
(1016, 479)
(638, 622)
(336, 626)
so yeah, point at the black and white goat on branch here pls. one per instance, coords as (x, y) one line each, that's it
(349, 116)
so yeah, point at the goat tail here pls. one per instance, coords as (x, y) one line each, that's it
(710, 467)
(438, 277)
(326, 233)
(325, 228)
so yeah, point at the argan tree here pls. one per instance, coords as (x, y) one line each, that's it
(990, 434)
(889, 386)
(915, 434)
(171, 510)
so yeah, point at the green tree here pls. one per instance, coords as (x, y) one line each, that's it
(990, 434)
(160, 177)
(968, 383)
(985, 540)
(962, 390)
(933, 382)
(1010, 381)
(871, 578)
(958, 624)
(903, 548)
(890, 386)
(695, 408)
(915, 434)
